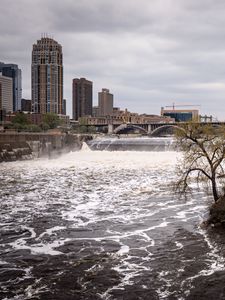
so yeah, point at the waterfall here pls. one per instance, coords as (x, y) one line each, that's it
(132, 144)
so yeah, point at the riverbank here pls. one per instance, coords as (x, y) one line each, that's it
(22, 146)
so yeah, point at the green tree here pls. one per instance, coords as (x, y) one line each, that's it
(82, 129)
(20, 118)
(19, 127)
(203, 160)
(82, 121)
(44, 126)
(52, 120)
(91, 129)
(33, 128)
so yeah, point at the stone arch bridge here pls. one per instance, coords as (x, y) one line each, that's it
(153, 129)
(156, 129)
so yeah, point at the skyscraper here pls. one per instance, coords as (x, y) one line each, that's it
(82, 98)
(47, 76)
(0, 94)
(105, 103)
(6, 97)
(26, 105)
(64, 107)
(13, 71)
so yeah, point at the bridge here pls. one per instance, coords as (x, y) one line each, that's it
(153, 129)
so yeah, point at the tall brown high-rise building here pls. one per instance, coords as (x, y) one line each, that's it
(47, 76)
(105, 103)
(82, 98)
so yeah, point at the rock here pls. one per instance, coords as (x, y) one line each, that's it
(217, 213)
(204, 224)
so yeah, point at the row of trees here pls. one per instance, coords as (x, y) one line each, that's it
(50, 121)
(21, 123)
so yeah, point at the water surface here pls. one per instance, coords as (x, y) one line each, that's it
(104, 225)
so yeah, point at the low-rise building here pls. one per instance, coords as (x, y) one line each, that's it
(181, 115)
(65, 120)
(124, 116)
(32, 118)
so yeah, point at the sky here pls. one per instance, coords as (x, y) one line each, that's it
(149, 53)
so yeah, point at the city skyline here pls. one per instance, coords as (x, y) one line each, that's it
(148, 53)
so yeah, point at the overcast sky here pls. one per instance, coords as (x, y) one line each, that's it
(149, 53)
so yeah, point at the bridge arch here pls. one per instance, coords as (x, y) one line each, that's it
(127, 128)
(165, 130)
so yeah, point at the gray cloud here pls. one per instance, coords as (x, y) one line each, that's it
(149, 53)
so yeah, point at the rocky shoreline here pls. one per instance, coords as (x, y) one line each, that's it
(23, 146)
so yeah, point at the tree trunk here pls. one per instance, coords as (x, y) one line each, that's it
(214, 188)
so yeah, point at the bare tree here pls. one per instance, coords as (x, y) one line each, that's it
(203, 160)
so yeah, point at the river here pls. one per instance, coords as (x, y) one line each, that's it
(105, 225)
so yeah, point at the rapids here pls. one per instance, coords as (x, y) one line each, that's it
(104, 225)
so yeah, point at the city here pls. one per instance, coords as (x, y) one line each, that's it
(47, 96)
(112, 150)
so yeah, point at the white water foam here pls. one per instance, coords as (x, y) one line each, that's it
(120, 197)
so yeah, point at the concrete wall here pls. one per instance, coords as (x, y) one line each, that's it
(19, 146)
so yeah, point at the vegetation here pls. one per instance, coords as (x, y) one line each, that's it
(203, 162)
(20, 119)
(26, 128)
(21, 123)
(204, 156)
(33, 128)
(51, 120)
(83, 129)
(44, 126)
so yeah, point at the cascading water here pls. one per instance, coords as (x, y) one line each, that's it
(104, 225)
(118, 143)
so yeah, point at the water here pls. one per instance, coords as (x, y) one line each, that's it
(118, 143)
(104, 225)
